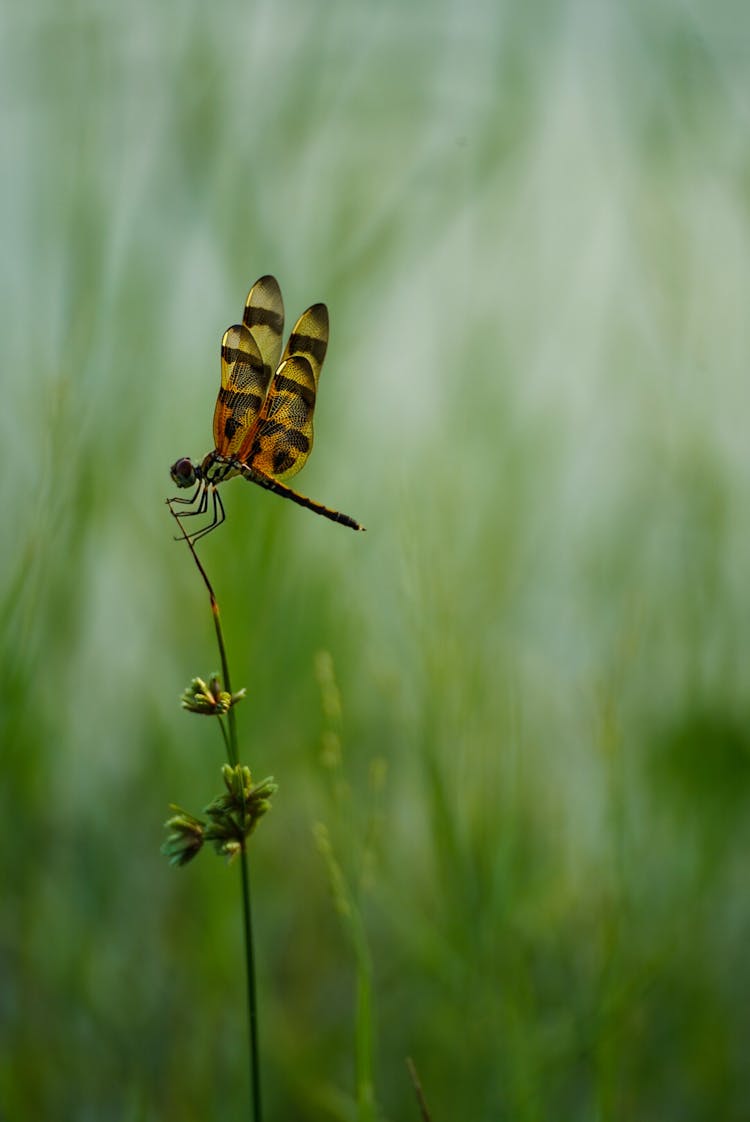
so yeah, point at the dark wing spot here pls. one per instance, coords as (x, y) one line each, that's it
(307, 345)
(255, 317)
(282, 461)
(298, 440)
(240, 403)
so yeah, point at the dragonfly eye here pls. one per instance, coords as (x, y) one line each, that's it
(183, 472)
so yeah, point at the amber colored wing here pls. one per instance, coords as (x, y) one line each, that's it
(244, 382)
(310, 338)
(281, 440)
(264, 316)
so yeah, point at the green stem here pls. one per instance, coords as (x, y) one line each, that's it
(225, 736)
(232, 747)
(247, 914)
(247, 921)
(233, 750)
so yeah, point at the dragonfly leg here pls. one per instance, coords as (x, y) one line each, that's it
(191, 499)
(202, 506)
(201, 494)
(217, 514)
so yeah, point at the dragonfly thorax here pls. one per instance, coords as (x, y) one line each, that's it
(215, 468)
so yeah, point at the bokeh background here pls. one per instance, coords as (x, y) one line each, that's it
(530, 222)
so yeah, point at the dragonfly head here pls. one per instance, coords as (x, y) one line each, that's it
(184, 472)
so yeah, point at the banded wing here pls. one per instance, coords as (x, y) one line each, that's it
(244, 382)
(249, 356)
(281, 440)
(310, 338)
(264, 317)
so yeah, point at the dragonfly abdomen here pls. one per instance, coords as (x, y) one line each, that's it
(279, 488)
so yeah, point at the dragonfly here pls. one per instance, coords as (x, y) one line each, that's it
(263, 420)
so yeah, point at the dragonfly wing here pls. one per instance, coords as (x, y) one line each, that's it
(282, 439)
(264, 318)
(310, 338)
(244, 383)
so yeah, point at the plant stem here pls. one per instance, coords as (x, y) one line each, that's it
(418, 1089)
(232, 747)
(233, 750)
(247, 920)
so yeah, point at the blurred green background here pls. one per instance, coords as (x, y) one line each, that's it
(530, 223)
